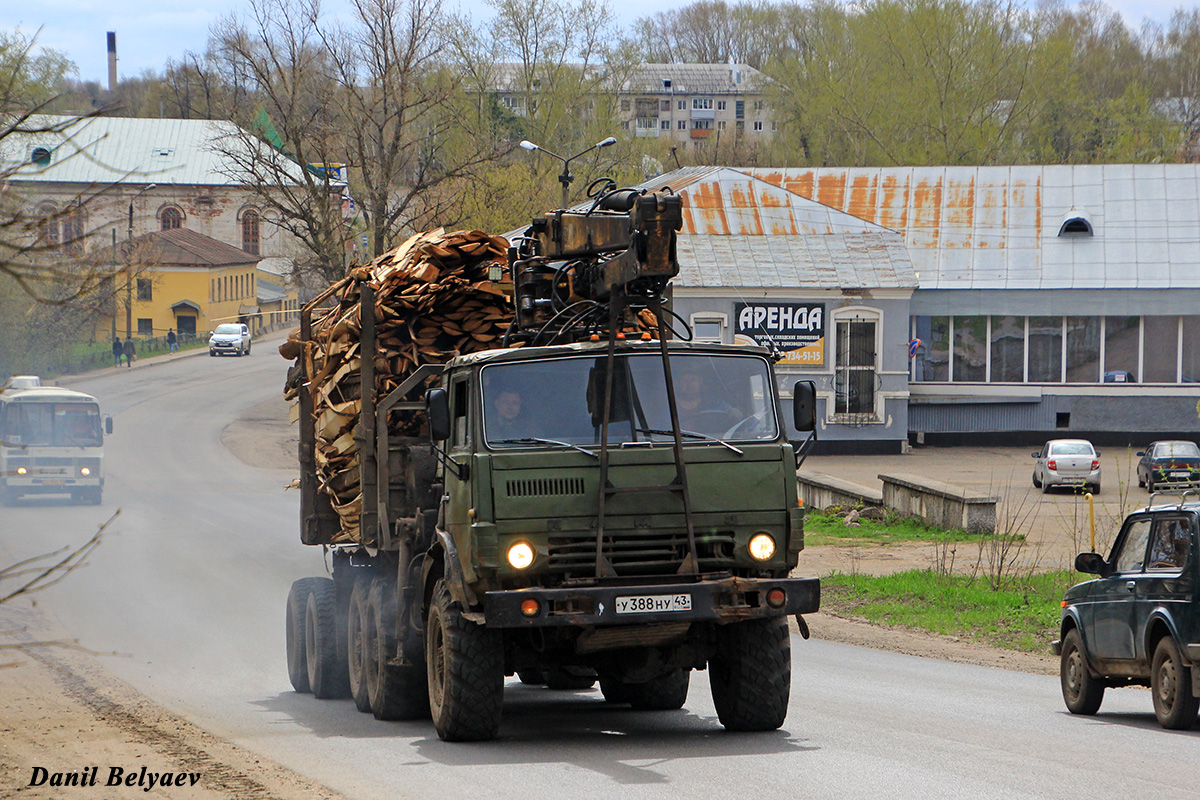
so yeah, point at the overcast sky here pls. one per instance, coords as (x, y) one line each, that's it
(148, 33)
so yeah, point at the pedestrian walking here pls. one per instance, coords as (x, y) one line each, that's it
(172, 340)
(117, 350)
(128, 350)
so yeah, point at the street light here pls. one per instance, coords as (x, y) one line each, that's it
(565, 178)
(129, 264)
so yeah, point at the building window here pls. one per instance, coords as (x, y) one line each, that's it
(40, 156)
(145, 327)
(682, 124)
(759, 105)
(172, 218)
(758, 126)
(73, 223)
(970, 349)
(145, 289)
(720, 105)
(48, 227)
(624, 105)
(1122, 343)
(708, 328)
(683, 105)
(702, 103)
(721, 125)
(666, 125)
(666, 105)
(250, 231)
(702, 124)
(739, 109)
(1045, 349)
(854, 378)
(774, 125)
(1161, 353)
(932, 361)
(1083, 349)
(1007, 350)
(741, 126)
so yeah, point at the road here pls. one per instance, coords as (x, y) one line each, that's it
(192, 581)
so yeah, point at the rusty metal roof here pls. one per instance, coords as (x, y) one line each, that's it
(998, 227)
(739, 230)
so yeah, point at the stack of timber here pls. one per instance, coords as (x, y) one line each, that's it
(433, 301)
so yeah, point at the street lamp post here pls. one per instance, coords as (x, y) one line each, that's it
(129, 264)
(566, 177)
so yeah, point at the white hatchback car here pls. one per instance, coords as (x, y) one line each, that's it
(1067, 462)
(230, 337)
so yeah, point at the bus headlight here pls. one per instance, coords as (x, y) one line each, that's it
(761, 547)
(22, 471)
(520, 555)
(84, 471)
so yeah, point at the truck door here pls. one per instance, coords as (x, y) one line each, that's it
(1111, 606)
(458, 483)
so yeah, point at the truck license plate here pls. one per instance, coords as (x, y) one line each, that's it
(647, 604)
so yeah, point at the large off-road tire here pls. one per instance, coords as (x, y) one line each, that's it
(1171, 685)
(665, 693)
(466, 672)
(751, 674)
(326, 660)
(1082, 692)
(614, 691)
(394, 692)
(297, 604)
(358, 644)
(568, 679)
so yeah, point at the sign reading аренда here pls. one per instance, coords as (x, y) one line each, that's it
(798, 329)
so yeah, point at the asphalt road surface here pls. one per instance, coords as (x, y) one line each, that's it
(191, 585)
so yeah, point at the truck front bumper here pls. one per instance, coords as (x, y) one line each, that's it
(721, 600)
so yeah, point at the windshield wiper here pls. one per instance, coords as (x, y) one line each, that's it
(692, 435)
(536, 440)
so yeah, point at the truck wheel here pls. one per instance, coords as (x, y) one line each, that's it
(466, 672)
(614, 691)
(751, 674)
(358, 644)
(327, 672)
(1171, 686)
(297, 604)
(567, 679)
(665, 693)
(1081, 692)
(395, 692)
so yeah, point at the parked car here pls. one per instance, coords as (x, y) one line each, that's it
(1138, 622)
(1118, 376)
(1173, 463)
(1067, 462)
(230, 337)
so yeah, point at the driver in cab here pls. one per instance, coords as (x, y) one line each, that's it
(701, 411)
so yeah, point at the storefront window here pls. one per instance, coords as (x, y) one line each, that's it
(1162, 349)
(1045, 349)
(1083, 349)
(970, 349)
(1121, 337)
(1191, 350)
(1008, 349)
(932, 362)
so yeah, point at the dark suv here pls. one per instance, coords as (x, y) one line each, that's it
(1138, 623)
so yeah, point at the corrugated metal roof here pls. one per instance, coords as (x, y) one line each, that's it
(997, 227)
(694, 79)
(106, 150)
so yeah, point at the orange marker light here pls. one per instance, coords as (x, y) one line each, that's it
(530, 607)
(776, 598)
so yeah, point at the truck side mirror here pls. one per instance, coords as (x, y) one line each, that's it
(1092, 564)
(437, 407)
(804, 405)
(108, 425)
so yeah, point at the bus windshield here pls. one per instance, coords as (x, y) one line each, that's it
(561, 401)
(51, 425)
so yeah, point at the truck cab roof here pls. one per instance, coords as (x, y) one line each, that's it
(599, 348)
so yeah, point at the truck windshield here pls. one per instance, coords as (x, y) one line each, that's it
(562, 400)
(51, 425)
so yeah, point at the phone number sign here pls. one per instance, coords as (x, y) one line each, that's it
(798, 329)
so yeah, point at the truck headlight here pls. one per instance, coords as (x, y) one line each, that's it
(520, 555)
(761, 547)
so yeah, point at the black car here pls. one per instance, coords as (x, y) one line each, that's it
(1172, 463)
(1138, 623)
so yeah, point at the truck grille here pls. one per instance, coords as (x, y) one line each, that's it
(639, 552)
(545, 487)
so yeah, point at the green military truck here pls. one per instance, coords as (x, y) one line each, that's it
(588, 507)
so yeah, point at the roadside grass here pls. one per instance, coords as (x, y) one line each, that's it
(823, 529)
(1023, 615)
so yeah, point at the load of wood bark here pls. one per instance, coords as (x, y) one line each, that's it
(433, 301)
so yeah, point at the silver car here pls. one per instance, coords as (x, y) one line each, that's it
(1067, 462)
(230, 337)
